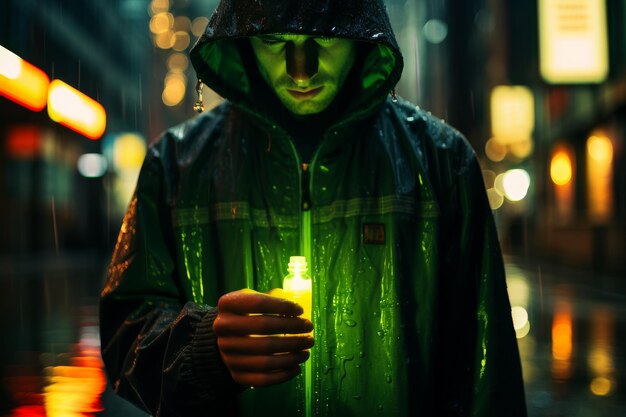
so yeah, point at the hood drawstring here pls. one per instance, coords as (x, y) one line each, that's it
(199, 104)
(393, 96)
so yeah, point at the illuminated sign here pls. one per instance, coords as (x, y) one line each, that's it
(75, 110)
(22, 82)
(512, 113)
(573, 41)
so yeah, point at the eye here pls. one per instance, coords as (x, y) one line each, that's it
(325, 41)
(271, 41)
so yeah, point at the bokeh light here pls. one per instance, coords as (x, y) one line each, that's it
(435, 31)
(600, 148)
(182, 41)
(561, 168)
(177, 62)
(515, 183)
(174, 89)
(161, 23)
(92, 165)
(198, 25)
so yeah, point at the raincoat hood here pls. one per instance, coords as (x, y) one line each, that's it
(222, 59)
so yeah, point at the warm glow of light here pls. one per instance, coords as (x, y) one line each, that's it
(512, 114)
(198, 25)
(515, 183)
(495, 199)
(517, 289)
(602, 351)
(10, 64)
(600, 178)
(601, 386)
(182, 41)
(129, 151)
(600, 148)
(165, 40)
(562, 335)
(22, 82)
(23, 142)
(522, 149)
(561, 168)
(182, 23)
(174, 90)
(495, 151)
(573, 41)
(159, 6)
(75, 110)
(520, 321)
(177, 62)
(161, 23)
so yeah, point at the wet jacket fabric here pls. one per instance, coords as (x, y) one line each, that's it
(410, 307)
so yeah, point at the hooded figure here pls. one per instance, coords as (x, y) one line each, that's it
(386, 202)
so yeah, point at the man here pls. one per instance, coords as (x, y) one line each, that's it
(309, 156)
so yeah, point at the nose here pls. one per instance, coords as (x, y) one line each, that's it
(302, 60)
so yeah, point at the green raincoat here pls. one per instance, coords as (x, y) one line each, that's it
(410, 307)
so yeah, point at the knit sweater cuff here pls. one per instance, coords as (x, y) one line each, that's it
(207, 362)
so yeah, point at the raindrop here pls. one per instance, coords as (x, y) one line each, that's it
(410, 119)
(350, 323)
(361, 354)
(381, 333)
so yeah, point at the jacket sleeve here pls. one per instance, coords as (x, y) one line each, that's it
(159, 349)
(478, 372)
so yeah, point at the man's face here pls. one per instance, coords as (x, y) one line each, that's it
(305, 72)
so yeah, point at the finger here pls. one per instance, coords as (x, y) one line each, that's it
(264, 379)
(248, 302)
(265, 363)
(266, 345)
(236, 325)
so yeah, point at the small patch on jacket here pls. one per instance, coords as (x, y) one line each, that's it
(373, 233)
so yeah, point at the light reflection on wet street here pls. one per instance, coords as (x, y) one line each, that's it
(571, 328)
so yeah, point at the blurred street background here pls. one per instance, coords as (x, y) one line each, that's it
(538, 87)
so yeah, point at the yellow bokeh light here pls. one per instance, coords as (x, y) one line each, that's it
(522, 148)
(174, 90)
(129, 151)
(512, 113)
(161, 23)
(561, 168)
(165, 40)
(182, 41)
(177, 62)
(495, 150)
(601, 386)
(75, 110)
(198, 25)
(182, 23)
(495, 199)
(600, 148)
(573, 40)
(159, 6)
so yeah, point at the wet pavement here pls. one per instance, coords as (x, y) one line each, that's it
(571, 327)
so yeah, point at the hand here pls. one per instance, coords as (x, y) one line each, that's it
(269, 358)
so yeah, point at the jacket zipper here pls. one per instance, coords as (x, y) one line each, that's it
(304, 174)
(305, 242)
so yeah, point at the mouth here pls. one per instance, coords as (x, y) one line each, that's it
(303, 95)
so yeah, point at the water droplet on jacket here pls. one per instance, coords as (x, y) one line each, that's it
(377, 35)
(381, 333)
(410, 119)
(350, 323)
(361, 354)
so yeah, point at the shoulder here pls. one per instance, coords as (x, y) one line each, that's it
(435, 140)
(193, 133)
